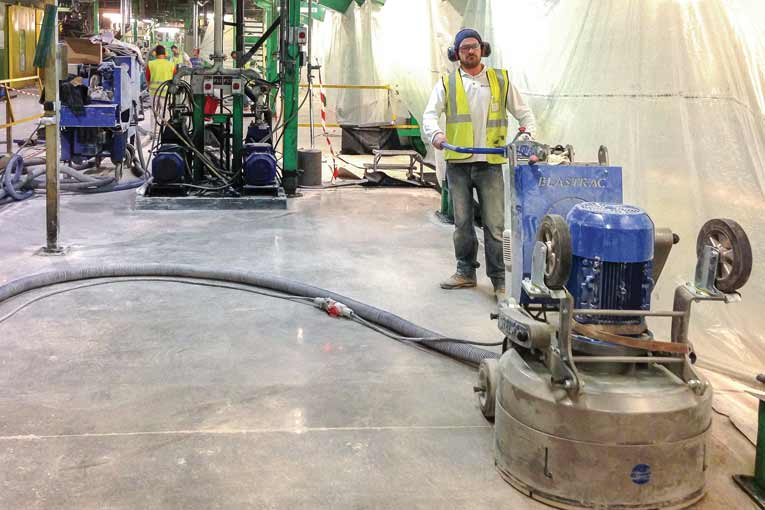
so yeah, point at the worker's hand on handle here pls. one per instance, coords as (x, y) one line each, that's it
(439, 140)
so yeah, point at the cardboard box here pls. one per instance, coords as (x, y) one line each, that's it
(82, 51)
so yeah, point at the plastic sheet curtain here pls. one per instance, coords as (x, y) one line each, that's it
(400, 43)
(674, 88)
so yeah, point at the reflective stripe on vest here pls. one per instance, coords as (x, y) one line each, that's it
(160, 71)
(459, 124)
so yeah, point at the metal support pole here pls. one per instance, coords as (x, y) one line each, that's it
(195, 24)
(309, 70)
(271, 49)
(52, 144)
(759, 460)
(237, 127)
(198, 120)
(218, 34)
(754, 486)
(290, 97)
(239, 42)
(96, 18)
(122, 17)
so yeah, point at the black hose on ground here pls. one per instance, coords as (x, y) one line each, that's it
(462, 352)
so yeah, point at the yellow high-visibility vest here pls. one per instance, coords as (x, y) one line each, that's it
(160, 70)
(459, 124)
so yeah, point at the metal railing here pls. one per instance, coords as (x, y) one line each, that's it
(10, 115)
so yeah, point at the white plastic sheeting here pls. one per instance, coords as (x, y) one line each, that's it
(674, 88)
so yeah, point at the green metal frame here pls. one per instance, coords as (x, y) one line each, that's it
(319, 5)
(290, 99)
(754, 486)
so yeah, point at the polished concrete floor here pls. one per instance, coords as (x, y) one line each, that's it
(162, 395)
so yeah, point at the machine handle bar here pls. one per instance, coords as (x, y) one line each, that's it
(475, 150)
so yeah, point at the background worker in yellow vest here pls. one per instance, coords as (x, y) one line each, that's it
(158, 71)
(179, 58)
(476, 101)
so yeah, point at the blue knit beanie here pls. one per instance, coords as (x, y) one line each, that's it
(463, 34)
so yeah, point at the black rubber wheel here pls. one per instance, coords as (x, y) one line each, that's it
(554, 232)
(570, 153)
(487, 387)
(730, 240)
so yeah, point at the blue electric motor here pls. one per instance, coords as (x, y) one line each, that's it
(168, 164)
(612, 264)
(259, 166)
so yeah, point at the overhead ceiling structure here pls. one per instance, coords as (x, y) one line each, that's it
(181, 10)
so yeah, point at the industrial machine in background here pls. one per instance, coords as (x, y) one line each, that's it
(76, 18)
(203, 148)
(100, 111)
(590, 409)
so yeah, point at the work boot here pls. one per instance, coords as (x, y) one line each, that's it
(458, 281)
(500, 292)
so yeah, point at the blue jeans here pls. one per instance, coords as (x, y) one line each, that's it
(488, 182)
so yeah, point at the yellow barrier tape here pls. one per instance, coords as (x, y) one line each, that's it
(14, 80)
(21, 121)
(361, 87)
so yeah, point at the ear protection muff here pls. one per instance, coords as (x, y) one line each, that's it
(452, 52)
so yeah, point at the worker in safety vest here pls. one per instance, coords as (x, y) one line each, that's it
(159, 70)
(476, 100)
(179, 58)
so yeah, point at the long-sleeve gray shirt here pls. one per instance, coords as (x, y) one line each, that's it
(478, 93)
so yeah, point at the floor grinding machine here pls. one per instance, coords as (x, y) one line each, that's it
(100, 111)
(590, 410)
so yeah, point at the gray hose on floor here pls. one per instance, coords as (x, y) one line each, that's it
(77, 186)
(462, 352)
(11, 177)
(75, 174)
(34, 162)
(139, 150)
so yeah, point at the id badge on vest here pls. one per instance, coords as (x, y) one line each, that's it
(494, 106)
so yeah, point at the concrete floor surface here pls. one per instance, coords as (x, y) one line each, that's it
(163, 395)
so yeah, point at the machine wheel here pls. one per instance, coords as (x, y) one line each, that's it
(570, 153)
(131, 161)
(603, 156)
(487, 387)
(554, 232)
(735, 264)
